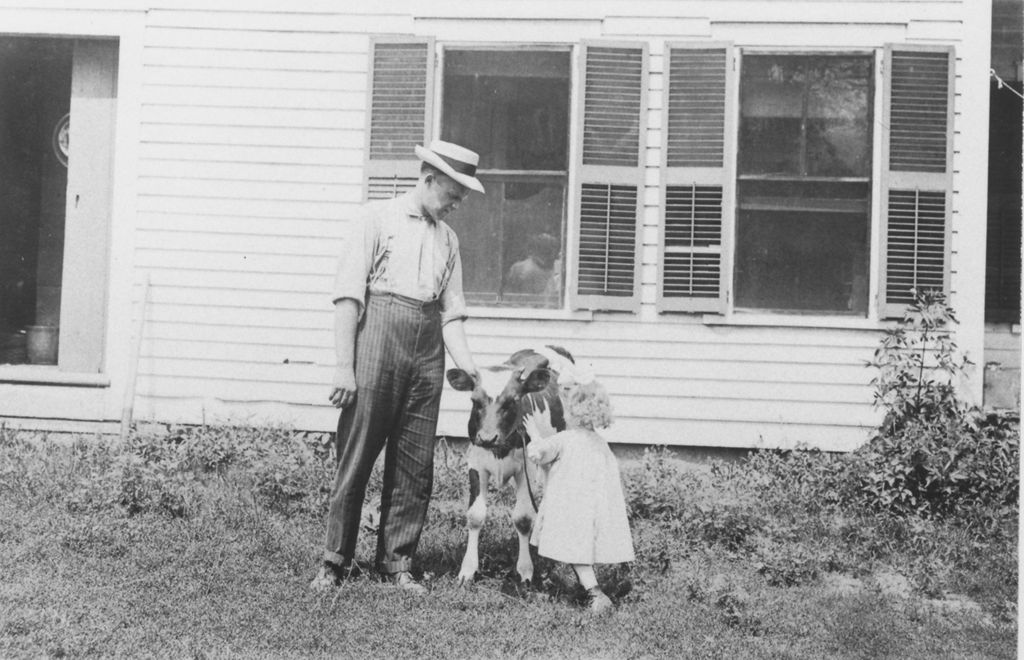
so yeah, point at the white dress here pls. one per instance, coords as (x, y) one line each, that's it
(582, 518)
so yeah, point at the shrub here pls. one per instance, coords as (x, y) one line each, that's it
(658, 489)
(936, 469)
(789, 565)
(933, 453)
(729, 526)
(918, 366)
(801, 481)
(151, 477)
(289, 478)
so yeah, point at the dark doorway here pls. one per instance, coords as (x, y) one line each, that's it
(35, 97)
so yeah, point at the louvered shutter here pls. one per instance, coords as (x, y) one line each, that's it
(697, 147)
(398, 114)
(610, 167)
(917, 154)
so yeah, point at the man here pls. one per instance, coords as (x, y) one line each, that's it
(398, 304)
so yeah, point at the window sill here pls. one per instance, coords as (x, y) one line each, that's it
(49, 375)
(796, 321)
(527, 313)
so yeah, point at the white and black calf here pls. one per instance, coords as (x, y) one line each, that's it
(501, 396)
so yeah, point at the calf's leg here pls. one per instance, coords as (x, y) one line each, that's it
(475, 516)
(522, 516)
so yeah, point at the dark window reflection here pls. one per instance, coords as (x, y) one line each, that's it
(804, 192)
(512, 107)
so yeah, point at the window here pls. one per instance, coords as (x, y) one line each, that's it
(804, 183)
(512, 107)
(775, 213)
(54, 87)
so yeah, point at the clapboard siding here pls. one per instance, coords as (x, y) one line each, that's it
(248, 190)
(678, 355)
(156, 93)
(213, 224)
(250, 136)
(1002, 345)
(185, 56)
(253, 78)
(251, 40)
(247, 243)
(260, 208)
(243, 154)
(153, 172)
(250, 157)
(282, 118)
(303, 119)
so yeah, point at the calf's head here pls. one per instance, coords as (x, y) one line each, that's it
(501, 396)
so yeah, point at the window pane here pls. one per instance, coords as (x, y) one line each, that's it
(511, 241)
(512, 107)
(35, 96)
(805, 115)
(803, 247)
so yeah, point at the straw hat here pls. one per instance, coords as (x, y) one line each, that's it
(457, 162)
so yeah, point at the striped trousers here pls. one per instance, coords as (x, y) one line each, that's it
(399, 369)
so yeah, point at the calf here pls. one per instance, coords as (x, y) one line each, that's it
(500, 397)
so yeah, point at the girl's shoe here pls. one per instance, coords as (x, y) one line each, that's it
(599, 602)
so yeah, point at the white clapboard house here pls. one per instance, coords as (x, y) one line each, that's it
(718, 204)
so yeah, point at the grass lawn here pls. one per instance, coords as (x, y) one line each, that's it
(101, 554)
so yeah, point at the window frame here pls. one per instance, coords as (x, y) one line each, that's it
(734, 315)
(873, 267)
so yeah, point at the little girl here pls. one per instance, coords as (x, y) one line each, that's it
(582, 518)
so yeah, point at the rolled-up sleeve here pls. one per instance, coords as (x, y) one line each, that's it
(354, 262)
(453, 303)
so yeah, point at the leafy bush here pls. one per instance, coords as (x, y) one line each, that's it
(290, 478)
(658, 489)
(933, 453)
(937, 469)
(918, 366)
(804, 480)
(662, 491)
(789, 565)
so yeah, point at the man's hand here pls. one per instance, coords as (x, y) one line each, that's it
(344, 392)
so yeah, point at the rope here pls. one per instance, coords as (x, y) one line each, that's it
(1000, 83)
(526, 472)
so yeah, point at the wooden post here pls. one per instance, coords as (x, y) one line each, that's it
(133, 364)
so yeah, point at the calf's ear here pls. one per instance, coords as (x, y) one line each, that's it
(536, 380)
(460, 380)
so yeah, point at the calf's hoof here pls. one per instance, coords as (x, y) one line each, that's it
(466, 578)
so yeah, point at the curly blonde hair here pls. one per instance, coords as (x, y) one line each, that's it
(587, 406)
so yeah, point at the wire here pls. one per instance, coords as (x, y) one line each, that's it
(1000, 83)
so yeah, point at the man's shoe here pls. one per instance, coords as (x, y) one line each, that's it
(331, 575)
(599, 602)
(406, 582)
